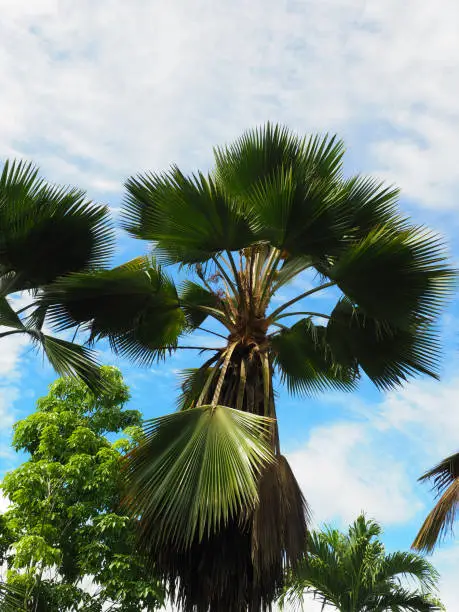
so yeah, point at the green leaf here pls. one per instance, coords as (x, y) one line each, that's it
(48, 231)
(288, 186)
(441, 519)
(69, 359)
(196, 470)
(8, 316)
(192, 296)
(387, 354)
(306, 362)
(189, 219)
(146, 322)
(397, 276)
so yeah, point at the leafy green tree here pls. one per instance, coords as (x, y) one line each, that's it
(64, 522)
(353, 573)
(441, 519)
(221, 512)
(46, 232)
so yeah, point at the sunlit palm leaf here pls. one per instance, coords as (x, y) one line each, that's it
(195, 470)
(189, 219)
(306, 363)
(441, 519)
(387, 354)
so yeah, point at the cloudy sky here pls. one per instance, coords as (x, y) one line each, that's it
(95, 91)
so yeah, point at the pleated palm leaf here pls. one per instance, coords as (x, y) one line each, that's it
(222, 513)
(352, 573)
(441, 519)
(46, 232)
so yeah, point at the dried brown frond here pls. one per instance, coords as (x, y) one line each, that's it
(441, 519)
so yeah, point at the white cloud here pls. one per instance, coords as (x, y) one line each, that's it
(96, 92)
(342, 473)
(425, 413)
(446, 560)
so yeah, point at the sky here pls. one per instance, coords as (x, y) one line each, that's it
(96, 91)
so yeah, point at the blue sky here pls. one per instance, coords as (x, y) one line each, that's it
(93, 92)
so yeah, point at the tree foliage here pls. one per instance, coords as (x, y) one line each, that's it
(46, 232)
(273, 207)
(64, 524)
(353, 573)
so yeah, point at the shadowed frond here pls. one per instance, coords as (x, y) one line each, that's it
(48, 231)
(305, 361)
(387, 354)
(146, 322)
(192, 297)
(396, 276)
(189, 219)
(69, 359)
(195, 470)
(441, 519)
(280, 520)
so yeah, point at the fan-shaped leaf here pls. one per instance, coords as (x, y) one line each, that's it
(397, 276)
(189, 219)
(48, 231)
(387, 354)
(306, 362)
(135, 306)
(192, 296)
(195, 470)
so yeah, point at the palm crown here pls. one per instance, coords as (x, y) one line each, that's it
(353, 573)
(222, 513)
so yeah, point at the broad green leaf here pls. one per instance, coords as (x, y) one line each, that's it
(196, 470)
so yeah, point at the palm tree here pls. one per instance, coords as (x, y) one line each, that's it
(222, 514)
(46, 232)
(441, 519)
(353, 573)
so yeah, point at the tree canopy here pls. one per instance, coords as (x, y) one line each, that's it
(64, 526)
(352, 573)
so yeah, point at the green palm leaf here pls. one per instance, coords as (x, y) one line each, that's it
(195, 470)
(48, 231)
(397, 276)
(135, 306)
(305, 361)
(193, 297)
(69, 359)
(189, 219)
(387, 354)
(289, 187)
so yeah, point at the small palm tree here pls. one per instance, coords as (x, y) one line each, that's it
(441, 519)
(353, 573)
(46, 232)
(221, 511)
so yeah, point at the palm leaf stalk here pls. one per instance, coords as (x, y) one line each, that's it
(46, 232)
(221, 512)
(353, 573)
(441, 519)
